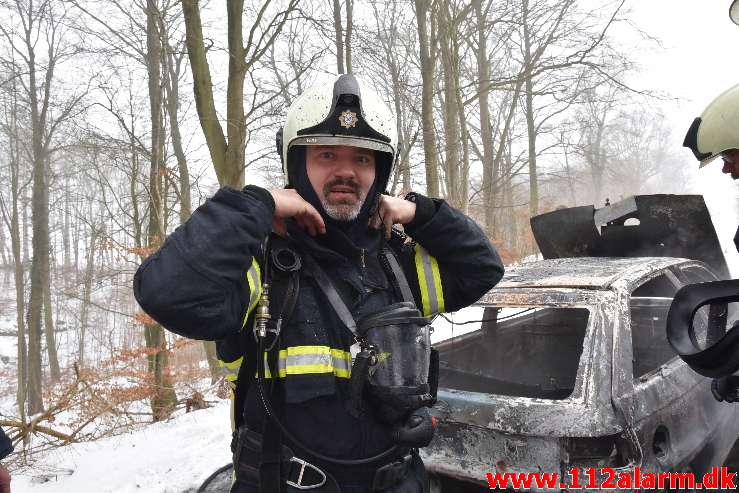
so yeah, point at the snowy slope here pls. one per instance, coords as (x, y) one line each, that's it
(175, 456)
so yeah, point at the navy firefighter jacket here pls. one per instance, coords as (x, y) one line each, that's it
(205, 281)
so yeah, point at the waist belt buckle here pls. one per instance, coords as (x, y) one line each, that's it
(303, 464)
(389, 474)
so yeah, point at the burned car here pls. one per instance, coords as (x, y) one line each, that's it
(566, 364)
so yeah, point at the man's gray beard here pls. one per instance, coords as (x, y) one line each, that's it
(340, 212)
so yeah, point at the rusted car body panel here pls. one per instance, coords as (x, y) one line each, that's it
(663, 420)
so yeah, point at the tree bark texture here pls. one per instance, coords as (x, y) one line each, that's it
(486, 129)
(54, 370)
(15, 240)
(227, 150)
(529, 111)
(164, 397)
(86, 295)
(235, 118)
(452, 143)
(203, 89)
(40, 230)
(338, 37)
(349, 31)
(427, 99)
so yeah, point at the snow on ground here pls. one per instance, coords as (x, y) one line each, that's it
(174, 456)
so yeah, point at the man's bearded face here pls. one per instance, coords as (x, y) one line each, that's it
(341, 177)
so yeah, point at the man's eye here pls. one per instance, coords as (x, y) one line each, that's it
(326, 155)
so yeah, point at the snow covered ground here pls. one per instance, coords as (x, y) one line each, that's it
(174, 456)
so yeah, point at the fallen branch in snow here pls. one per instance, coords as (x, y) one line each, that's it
(32, 428)
(110, 399)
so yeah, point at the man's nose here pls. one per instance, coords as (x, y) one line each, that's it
(344, 167)
(728, 168)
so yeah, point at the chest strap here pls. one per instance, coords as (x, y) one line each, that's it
(399, 277)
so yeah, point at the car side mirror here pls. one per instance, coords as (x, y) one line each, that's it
(706, 345)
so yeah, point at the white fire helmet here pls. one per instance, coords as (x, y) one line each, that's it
(345, 111)
(717, 129)
(734, 11)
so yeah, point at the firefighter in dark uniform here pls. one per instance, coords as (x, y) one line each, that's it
(712, 135)
(338, 147)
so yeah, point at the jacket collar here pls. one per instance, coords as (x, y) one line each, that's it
(337, 243)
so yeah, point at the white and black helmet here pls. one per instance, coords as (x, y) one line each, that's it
(717, 129)
(345, 112)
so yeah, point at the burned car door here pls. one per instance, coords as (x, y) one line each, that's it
(674, 415)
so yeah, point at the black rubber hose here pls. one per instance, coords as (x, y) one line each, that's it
(284, 431)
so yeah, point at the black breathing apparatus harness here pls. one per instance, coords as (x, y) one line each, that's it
(396, 370)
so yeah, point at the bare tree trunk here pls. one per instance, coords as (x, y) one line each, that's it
(464, 172)
(40, 245)
(40, 240)
(87, 294)
(12, 218)
(26, 233)
(227, 151)
(203, 88)
(451, 124)
(338, 37)
(501, 172)
(67, 239)
(486, 129)
(529, 111)
(164, 397)
(171, 85)
(349, 30)
(427, 99)
(236, 128)
(212, 357)
(20, 294)
(54, 370)
(596, 163)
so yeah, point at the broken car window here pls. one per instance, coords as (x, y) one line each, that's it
(525, 352)
(650, 303)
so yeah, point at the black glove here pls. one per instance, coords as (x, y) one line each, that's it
(725, 389)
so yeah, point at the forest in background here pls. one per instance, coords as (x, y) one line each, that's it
(120, 117)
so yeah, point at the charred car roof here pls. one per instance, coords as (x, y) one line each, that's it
(581, 272)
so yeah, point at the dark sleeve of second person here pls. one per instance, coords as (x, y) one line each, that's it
(468, 264)
(6, 445)
(196, 284)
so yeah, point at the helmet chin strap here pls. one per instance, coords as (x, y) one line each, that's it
(375, 204)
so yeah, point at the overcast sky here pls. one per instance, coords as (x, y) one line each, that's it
(700, 43)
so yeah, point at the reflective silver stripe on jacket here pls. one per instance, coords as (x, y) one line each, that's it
(429, 282)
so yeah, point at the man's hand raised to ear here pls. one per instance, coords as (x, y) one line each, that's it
(289, 204)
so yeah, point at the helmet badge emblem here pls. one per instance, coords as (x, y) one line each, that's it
(348, 119)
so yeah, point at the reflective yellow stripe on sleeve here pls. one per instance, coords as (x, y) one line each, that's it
(231, 370)
(303, 360)
(254, 276)
(429, 281)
